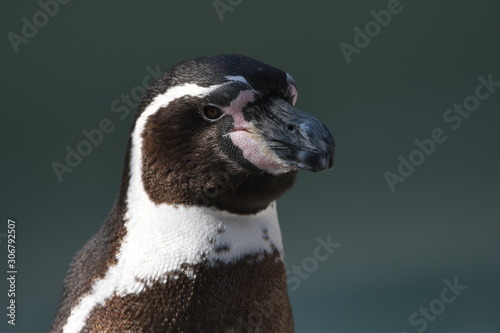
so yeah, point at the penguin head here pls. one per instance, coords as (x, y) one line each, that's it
(224, 131)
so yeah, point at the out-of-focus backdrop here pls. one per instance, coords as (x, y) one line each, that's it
(410, 89)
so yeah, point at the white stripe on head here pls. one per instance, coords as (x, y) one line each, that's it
(160, 238)
(237, 78)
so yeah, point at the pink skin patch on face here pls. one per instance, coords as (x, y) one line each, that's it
(244, 135)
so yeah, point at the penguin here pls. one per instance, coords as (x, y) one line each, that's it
(193, 243)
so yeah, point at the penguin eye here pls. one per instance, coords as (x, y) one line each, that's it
(212, 112)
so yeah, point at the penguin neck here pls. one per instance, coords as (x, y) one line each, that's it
(162, 238)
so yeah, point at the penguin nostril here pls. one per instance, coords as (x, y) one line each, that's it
(290, 127)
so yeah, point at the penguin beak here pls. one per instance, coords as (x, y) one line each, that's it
(300, 140)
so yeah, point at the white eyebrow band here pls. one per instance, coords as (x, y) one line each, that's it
(237, 78)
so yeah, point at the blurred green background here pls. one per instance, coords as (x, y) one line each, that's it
(396, 247)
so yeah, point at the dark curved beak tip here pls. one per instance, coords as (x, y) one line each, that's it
(319, 161)
(324, 158)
